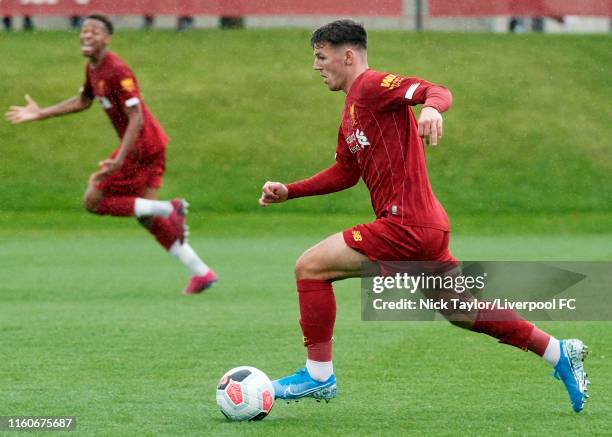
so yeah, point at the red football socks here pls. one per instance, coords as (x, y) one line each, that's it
(317, 317)
(538, 341)
(510, 328)
(117, 206)
(163, 231)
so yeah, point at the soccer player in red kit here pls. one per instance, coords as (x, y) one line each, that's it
(126, 183)
(381, 142)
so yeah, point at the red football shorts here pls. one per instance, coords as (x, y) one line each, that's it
(139, 172)
(386, 240)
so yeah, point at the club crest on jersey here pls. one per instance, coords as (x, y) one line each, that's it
(391, 81)
(360, 137)
(357, 236)
(128, 84)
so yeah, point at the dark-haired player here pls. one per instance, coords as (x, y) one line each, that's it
(380, 141)
(126, 183)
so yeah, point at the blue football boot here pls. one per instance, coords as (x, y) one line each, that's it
(301, 385)
(570, 370)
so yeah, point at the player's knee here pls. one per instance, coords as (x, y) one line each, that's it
(306, 267)
(90, 204)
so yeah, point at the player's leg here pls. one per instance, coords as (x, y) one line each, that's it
(151, 178)
(119, 196)
(165, 231)
(505, 325)
(125, 193)
(161, 227)
(329, 260)
(565, 356)
(315, 270)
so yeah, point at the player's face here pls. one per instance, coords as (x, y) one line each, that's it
(94, 38)
(330, 62)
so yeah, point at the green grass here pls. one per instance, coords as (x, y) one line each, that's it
(529, 132)
(92, 325)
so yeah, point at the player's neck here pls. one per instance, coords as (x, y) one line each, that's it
(97, 59)
(358, 71)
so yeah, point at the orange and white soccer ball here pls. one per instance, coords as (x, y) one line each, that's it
(245, 393)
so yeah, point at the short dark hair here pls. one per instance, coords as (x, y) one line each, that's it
(340, 32)
(108, 24)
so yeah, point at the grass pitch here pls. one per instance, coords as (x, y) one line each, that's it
(93, 325)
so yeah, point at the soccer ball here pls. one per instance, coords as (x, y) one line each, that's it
(245, 393)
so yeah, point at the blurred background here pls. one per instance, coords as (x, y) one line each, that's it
(527, 144)
(449, 15)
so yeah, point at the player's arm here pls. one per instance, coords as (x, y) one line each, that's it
(436, 99)
(32, 111)
(125, 86)
(128, 141)
(390, 90)
(334, 178)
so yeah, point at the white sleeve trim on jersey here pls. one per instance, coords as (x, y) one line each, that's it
(132, 102)
(412, 89)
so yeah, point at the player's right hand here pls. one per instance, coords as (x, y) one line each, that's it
(273, 192)
(20, 114)
(97, 177)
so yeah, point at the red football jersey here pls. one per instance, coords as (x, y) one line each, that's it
(379, 136)
(114, 85)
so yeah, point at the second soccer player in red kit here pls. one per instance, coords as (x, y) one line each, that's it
(381, 142)
(127, 182)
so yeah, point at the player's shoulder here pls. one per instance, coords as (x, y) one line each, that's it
(374, 76)
(373, 82)
(118, 64)
(115, 59)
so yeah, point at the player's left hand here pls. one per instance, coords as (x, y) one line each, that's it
(430, 125)
(109, 165)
